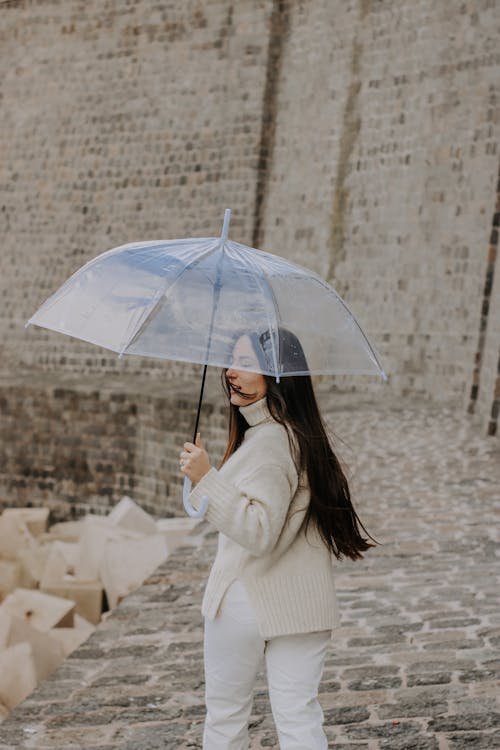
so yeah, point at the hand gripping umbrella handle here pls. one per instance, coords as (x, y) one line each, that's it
(187, 505)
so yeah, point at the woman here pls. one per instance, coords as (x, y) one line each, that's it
(281, 503)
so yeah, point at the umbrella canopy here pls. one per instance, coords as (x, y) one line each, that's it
(190, 300)
(187, 300)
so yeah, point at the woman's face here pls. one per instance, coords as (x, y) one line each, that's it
(245, 387)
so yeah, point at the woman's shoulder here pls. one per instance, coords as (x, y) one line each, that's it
(272, 441)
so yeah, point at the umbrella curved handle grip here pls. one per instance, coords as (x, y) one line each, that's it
(187, 505)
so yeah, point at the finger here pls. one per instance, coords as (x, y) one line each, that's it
(189, 446)
(198, 439)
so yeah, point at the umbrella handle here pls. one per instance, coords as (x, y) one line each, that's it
(187, 505)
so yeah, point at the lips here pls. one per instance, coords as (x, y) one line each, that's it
(234, 388)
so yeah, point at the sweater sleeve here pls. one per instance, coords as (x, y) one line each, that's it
(253, 513)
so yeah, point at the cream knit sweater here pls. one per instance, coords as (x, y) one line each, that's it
(258, 506)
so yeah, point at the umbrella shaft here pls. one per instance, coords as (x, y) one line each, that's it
(199, 403)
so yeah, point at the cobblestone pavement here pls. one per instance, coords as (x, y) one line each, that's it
(415, 664)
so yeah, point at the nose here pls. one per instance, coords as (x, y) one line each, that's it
(230, 373)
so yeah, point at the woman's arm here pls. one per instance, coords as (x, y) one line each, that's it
(252, 514)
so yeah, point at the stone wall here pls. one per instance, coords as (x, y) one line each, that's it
(77, 447)
(384, 172)
(359, 139)
(126, 121)
(485, 388)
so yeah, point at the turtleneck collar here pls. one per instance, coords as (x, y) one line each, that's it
(256, 413)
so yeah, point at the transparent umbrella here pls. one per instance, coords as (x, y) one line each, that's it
(188, 300)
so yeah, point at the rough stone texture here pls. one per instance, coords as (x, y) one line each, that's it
(360, 139)
(80, 446)
(485, 390)
(127, 120)
(427, 486)
(388, 157)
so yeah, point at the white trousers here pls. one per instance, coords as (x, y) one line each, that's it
(233, 654)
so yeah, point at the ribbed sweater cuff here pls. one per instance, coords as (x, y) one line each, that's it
(220, 494)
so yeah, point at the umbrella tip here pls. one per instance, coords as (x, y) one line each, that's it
(225, 226)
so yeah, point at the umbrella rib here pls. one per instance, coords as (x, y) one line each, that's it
(143, 258)
(56, 296)
(329, 288)
(274, 303)
(66, 288)
(165, 292)
(278, 320)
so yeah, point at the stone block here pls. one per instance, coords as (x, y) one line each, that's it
(14, 535)
(42, 611)
(17, 674)
(127, 563)
(59, 580)
(175, 530)
(66, 531)
(46, 652)
(97, 532)
(70, 638)
(10, 574)
(61, 562)
(5, 619)
(32, 561)
(128, 514)
(86, 596)
(35, 519)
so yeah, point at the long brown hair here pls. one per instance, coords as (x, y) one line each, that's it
(293, 404)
